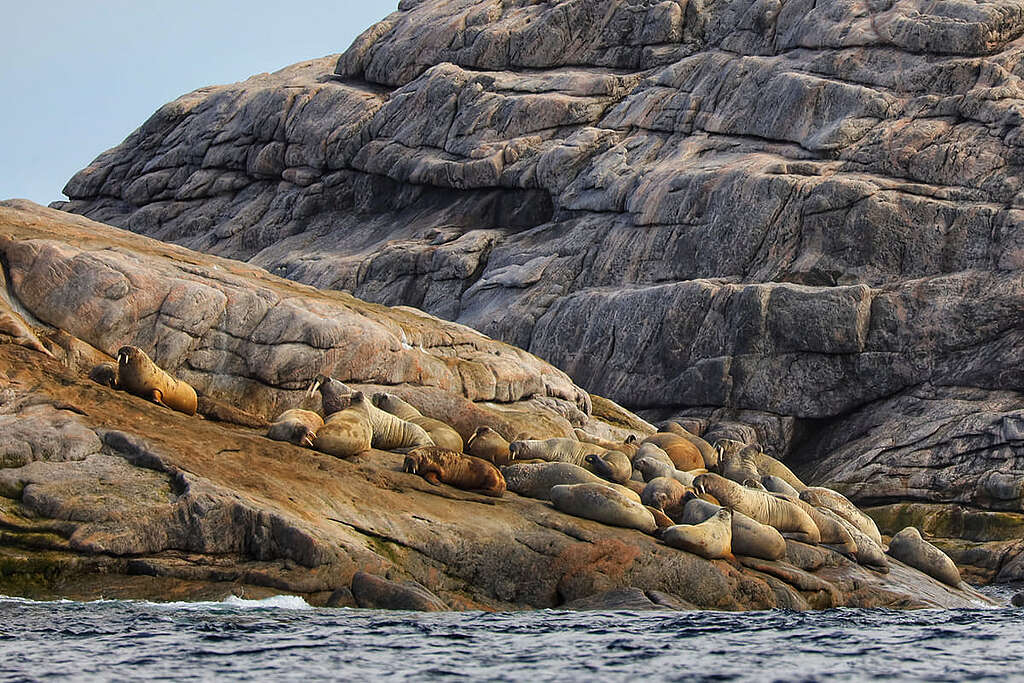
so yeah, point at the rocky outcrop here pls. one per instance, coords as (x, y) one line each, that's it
(796, 221)
(103, 493)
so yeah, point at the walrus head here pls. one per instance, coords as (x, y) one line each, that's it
(631, 439)
(411, 464)
(601, 468)
(334, 395)
(126, 355)
(515, 448)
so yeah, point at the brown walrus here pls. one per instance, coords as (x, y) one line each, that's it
(629, 446)
(684, 455)
(334, 395)
(296, 426)
(389, 431)
(489, 445)
(139, 375)
(441, 433)
(437, 465)
(707, 451)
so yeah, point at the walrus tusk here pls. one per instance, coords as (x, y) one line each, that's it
(308, 440)
(314, 385)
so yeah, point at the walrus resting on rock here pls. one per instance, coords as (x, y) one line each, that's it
(667, 495)
(535, 479)
(440, 432)
(909, 548)
(602, 504)
(139, 375)
(569, 450)
(389, 432)
(749, 537)
(334, 395)
(821, 497)
(344, 434)
(629, 446)
(105, 374)
(489, 445)
(711, 539)
(296, 426)
(442, 465)
(684, 454)
(762, 506)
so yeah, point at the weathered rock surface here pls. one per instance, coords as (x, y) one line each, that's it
(799, 222)
(105, 493)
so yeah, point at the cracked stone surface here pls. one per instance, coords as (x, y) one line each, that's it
(805, 216)
(105, 494)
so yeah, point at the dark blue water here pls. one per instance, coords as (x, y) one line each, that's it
(283, 638)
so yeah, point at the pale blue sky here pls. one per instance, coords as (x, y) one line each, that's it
(78, 76)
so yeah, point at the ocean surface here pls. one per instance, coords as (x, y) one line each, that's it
(283, 638)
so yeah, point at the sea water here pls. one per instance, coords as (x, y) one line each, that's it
(283, 638)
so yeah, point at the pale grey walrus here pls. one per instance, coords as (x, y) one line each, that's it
(535, 479)
(750, 463)
(139, 375)
(909, 548)
(711, 539)
(762, 506)
(570, 450)
(832, 532)
(650, 450)
(389, 432)
(602, 504)
(651, 468)
(749, 537)
(868, 552)
(441, 433)
(778, 485)
(629, 446)
(821, 497)
(334, 395)
(296, 426)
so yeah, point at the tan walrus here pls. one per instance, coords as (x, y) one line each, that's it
(629, 446)
(536, 479)
(489, 445)
(684, 455)
(334, 395)
(909, 548)
(751, 463)
(749, 537)
(441, 433)
(711, 539)
(389, 432)
(344, 433)
(762, 506)
(139, 375)
(822, 497)
(296, 426)
(443, 465)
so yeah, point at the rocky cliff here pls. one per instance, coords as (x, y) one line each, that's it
(800, 220)
(105, 494)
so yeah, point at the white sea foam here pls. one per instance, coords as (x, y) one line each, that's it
(231, 602)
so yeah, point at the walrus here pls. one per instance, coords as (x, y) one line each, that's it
(389, 432)
(629, 446)
(751, 463)
(778, 485)
(661, 520)
(139, 375)
(602, 504)
(650, 450)
(651, 469)
(296, 426)
(334, 395)
(832, 532)
(609, 466)
(909, 548)
(489, 445)
(821, 497)
(761, 506)
(711, 539)
(105, 374)
(667, 495)
(749, 537)
(344, 434)
(684, 455)
(868, 552)
(535, 480)
(707, 451)
(440, 432)
(570, 450)
(443, 465)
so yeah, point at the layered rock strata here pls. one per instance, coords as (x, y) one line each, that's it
(796, 221)
(103, 493)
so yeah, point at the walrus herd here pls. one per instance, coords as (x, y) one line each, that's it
(715, 500)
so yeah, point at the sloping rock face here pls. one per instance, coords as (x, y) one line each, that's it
(105, 494)
(800, 219)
